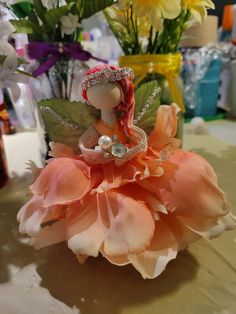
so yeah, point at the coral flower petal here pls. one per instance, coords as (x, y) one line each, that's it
(163, 248)
(64, 180)
(131, 228)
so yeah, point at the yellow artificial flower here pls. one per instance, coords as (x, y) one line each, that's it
(123, 4)
(157, 10)
(198, 8)
(123, 26)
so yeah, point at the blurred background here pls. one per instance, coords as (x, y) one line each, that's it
(206, 79)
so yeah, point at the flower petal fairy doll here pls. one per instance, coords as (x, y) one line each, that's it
(134, 198)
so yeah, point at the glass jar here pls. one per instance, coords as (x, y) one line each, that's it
(61, 81)
(165, 69)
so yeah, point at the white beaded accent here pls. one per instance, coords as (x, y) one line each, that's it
(59, 118)
(165, 153)
(142, 145)
(105, 142)
(145, 108)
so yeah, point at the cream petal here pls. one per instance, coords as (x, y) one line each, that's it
(156, 19)
(50, 235)
(163, 248)
(229, 221)
(69, 31)
(170, 9)
(6, 28)
(206, 3)
(209, 4)
(209, 228)
(33, 224)
(10, 63)
(200, 13)
(33, 215)
(65, 20)
(5, 48)
(26, 212)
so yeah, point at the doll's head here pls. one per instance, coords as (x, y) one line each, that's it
(109, 87)
(106, 96)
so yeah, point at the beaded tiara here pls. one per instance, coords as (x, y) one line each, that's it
(106, 75)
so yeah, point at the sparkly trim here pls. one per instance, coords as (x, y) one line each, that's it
(145, 108)
(59, 118)
(105, 76)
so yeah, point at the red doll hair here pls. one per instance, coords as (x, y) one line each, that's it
(126, 107)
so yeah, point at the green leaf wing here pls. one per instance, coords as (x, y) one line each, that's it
(76, 113)
(142, 95)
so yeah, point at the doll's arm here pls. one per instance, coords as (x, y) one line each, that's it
(141, 146)
(86, 143)
(89, 138)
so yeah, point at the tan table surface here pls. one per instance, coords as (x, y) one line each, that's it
(202, 280)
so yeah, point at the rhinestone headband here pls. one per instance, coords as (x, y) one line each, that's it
(106, 75)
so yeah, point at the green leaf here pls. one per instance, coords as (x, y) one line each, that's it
(53, 16)
(73, 112)
(166, 93)
(22, 26)
(142, 95)
(34, 19)
(2, 59)
(40, 9)
(22, 9)
(22, 61)
(24, 73)
(89, 8)
(26, 26)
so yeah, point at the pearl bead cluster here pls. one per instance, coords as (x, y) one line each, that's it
(111, 146)
(59, 118)
(145, 108)
(166, 153)
(60, 48)
(106, 75)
